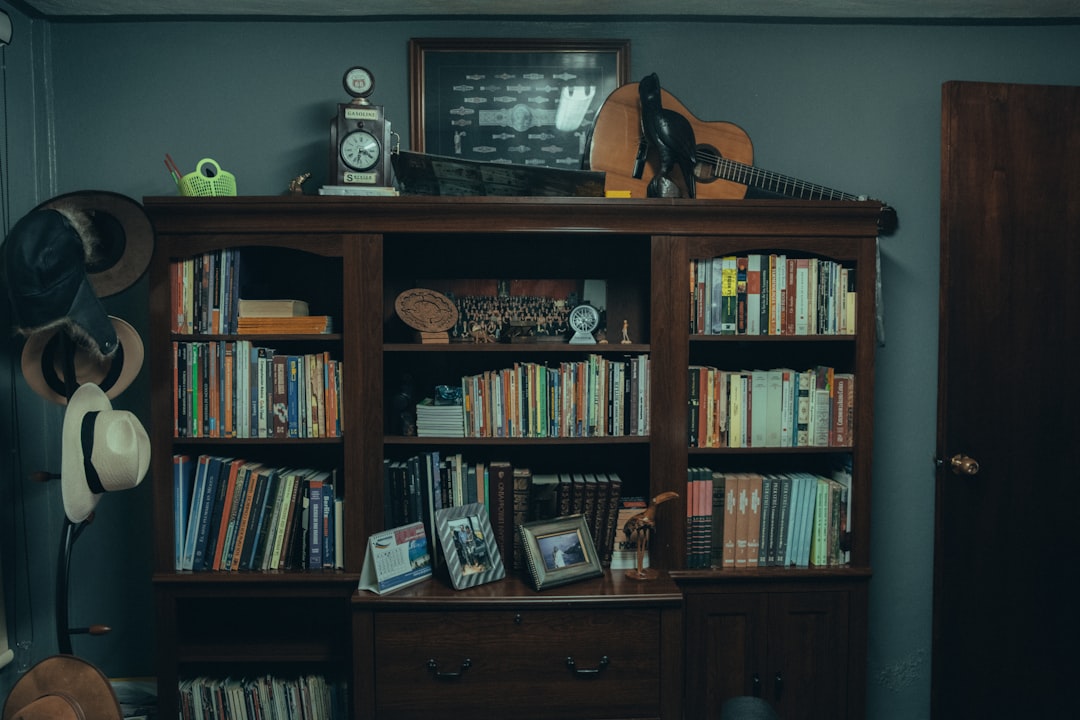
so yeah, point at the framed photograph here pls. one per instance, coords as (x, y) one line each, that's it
(559, 551)
(468, 545)
(530, 102)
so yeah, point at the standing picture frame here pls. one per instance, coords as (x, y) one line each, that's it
(559, 551)
(519, 101)
(468, 545)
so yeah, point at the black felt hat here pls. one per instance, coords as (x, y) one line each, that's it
(45, 264)
(117, 236)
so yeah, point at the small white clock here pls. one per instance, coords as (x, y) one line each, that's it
(583, 320)
(360, 150)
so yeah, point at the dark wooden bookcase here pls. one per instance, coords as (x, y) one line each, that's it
(755, 626)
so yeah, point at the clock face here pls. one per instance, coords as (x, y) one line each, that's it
(360, 150)
(358, 82)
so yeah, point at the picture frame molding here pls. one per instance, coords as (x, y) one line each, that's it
(445, 519)
(420, 48)
(540, 572)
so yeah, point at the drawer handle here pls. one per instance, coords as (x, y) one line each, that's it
(587, 672)
(447, 675)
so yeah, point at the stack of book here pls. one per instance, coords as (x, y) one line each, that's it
(281, 316)
(436, 420)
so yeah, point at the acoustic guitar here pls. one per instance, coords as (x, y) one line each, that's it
(725, 156)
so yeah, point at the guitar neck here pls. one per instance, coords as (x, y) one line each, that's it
(724, 169)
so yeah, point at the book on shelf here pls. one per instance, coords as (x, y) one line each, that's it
(758, 294)
(302, 325)
(599, 396)
(256, 392)
(266, 696)
(716, 520)
(272, 308)
(522, 479)
(502, 520)
(243, 516)
(778, 407)
(183, 481)
(439, 420)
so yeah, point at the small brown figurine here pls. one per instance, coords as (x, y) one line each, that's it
(625, 332)
(638, 529)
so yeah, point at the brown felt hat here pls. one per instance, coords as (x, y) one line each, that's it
(117, 235)
(43, 363)
(62, 687)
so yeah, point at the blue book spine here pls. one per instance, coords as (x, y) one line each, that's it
(209, 496)
(292, 390)
(315, 514)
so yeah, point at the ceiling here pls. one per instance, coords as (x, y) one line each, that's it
(884, 10)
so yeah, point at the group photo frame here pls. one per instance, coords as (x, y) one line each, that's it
(468, 545)
(519, 101)
(559, 551)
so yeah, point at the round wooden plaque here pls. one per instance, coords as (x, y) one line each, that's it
(426, 310)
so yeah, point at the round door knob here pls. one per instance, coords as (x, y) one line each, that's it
(963, 465)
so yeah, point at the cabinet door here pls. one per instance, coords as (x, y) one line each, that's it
(790, 648)
(725, 649)
(807, 667)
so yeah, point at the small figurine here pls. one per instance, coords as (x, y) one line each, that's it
(296, 185)
(638, 529)
(480, 334)
(625, 332)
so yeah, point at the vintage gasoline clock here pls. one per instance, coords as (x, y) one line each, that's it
(360, 136)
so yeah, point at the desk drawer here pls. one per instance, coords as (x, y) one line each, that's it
(521, 664)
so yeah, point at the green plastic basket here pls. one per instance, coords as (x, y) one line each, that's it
(208, 180)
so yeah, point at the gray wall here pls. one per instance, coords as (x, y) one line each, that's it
(855, 107)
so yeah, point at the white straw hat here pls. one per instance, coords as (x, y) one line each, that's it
(104, 450)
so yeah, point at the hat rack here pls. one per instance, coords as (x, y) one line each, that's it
(71, 531)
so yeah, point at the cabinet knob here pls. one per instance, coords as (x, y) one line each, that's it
(755, 685)
(433, 668)
(587, 671)
(778, 685)
(517, 618)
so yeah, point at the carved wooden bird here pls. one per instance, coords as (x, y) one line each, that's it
(646, 519)
(671, 134)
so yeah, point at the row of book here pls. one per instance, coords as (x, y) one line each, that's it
(779, 407)
(749, 520)
(227, 388)
(231, 514)
(595, 397)
(758, 294)
(418, 486)
(307, 697)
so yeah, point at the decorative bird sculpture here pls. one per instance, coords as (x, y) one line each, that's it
(638, 528)
(673, 137)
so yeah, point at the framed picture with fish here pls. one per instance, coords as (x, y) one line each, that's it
(526, 102)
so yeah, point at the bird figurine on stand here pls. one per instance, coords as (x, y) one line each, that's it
(638, 529)
(673, 137)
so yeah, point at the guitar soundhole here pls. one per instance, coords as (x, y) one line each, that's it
(708, 159)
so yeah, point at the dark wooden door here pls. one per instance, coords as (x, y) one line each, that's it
(1005, 627)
